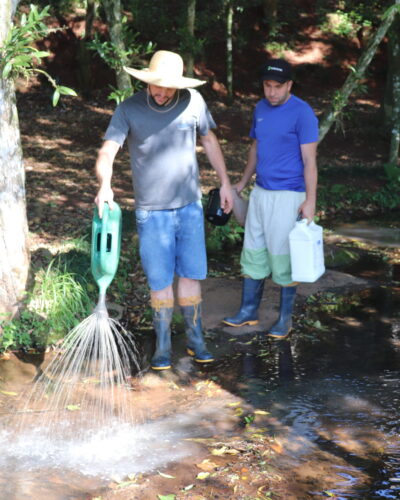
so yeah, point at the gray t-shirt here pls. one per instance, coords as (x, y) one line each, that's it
(162, 147)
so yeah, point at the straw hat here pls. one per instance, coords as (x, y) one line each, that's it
(165, 70)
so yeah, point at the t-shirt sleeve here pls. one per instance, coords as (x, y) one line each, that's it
(307, 125)
(118, 127)
(206, 121)
(252, 133)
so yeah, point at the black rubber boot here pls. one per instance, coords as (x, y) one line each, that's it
(195, 341)
(282, 327)
(252, 291)
(162, 317)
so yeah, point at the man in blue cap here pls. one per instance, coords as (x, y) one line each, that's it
(283, 157)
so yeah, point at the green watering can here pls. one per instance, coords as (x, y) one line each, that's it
(106, 248)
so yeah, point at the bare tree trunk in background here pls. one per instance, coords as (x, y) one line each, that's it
(391, 105)
(14, 250)
(112, 9)
(191, 16)
(270, 8)
(84, 56)
(229, 48)
(354, 77)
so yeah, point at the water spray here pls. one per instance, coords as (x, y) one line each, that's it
(91, 370)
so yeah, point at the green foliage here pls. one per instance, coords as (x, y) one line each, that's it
(57, 303)
(345, 18)
(19, 57)
(115, 57)
(344, 23)
(120, 95)
(161, 19)
(189, 43)
(60, 7)
(392, 173)
(20, 333)
(337, 199)
(218, 237)
(277, 49)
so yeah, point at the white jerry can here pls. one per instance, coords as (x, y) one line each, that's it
(306, 251)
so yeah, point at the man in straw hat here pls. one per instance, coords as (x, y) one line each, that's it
(283, 157)
(160, 124)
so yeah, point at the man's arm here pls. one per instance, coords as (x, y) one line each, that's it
(104, 171)
(215, 157)
(309, 156)
(249, 169)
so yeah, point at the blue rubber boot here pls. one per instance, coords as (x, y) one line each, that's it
(282, 327)
(162, 317)
(195, 341)
(252, 291)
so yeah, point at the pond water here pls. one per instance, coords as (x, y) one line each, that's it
(333, 398)
(370, 232)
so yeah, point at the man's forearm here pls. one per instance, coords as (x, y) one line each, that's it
(311, 180)
(104, 169)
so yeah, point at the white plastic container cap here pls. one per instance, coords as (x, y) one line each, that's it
(306, 251)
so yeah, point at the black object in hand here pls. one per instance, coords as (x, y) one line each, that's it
(214, 212)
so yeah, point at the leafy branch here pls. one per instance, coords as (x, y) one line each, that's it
(18, 56)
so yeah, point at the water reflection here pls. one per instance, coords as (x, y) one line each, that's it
(332, 395)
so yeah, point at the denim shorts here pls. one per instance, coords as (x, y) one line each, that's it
(172, 242)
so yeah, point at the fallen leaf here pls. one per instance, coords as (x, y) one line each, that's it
(124, 484)
(166, 475)
(188, 487)
(206, 465)
(224, 450)
(219, 451)
(9, 393)
(91, 381)
(261, 412)
(277, 447)
(202, 475)
(166, 497)
(201, 440)
(73, 407)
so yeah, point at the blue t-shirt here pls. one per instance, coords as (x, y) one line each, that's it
(280, 130)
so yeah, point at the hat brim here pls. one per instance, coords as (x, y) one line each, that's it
(154, 78)
(275, 78)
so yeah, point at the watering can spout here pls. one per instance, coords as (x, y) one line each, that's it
(101, 308)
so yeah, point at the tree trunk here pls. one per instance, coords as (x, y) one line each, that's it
(392, 94)
(84, 55)
(270, 8)
(14, 251)
(354, 77)
(191, 16)
(229, 49)
(112, 9)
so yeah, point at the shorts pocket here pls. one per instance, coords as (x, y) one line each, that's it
(142, 215)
